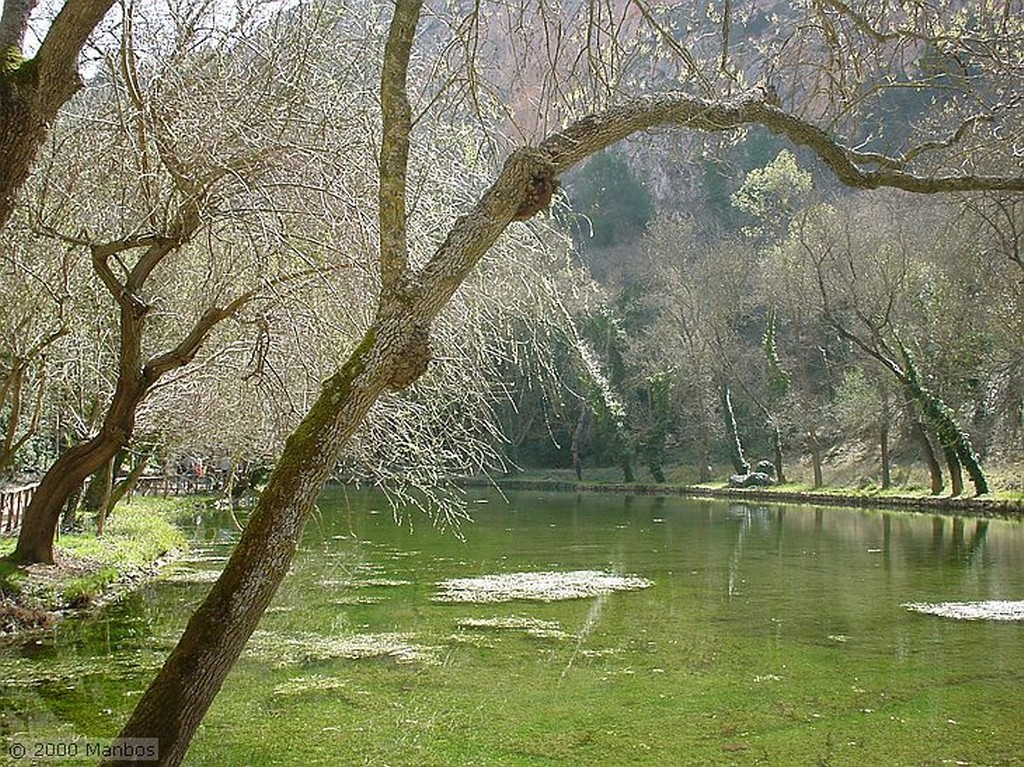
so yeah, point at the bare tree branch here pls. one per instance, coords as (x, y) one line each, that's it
(14, 24)
(394, 148)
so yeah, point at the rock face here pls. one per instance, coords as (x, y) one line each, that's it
(751, 479)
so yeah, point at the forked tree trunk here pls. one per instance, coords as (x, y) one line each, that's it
(135, 378)
(81, 461)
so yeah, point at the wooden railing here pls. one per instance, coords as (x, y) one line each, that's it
(13, 502)
(174, 484)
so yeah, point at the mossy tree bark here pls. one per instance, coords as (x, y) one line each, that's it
(955, 442)
(659, 409)
(396, 349)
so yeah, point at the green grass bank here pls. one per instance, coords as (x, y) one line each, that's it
(91, 568)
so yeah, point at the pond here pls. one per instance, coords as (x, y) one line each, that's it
(612, 631)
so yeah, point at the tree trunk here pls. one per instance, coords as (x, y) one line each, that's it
(577, 440)
(97, 492)
(885, 428)
(920, 436)
(956, 477)
(176, 701)
(947, 430)
(31, 92)
(124, 487)
(107, 474)
(64, 477)
(704, 451)
(815, 448)
(883, 441)
(780, 474)
(69, 516)
(22, 133)
(657, 432)
(739, 461)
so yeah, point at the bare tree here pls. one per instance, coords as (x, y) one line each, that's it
(396, 348)
(171, 287)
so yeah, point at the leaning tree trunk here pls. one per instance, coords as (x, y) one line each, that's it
(81, 461)
(739, 461)
(176, 701)
(956, 475)
(947, 430)
(125, 486)
(61, 481)
(920, 436)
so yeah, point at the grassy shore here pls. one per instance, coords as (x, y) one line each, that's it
(1001, 501)
(88, 567)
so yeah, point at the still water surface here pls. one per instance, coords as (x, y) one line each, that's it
(768, 636)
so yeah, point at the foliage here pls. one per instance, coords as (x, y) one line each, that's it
(772, 194)
(611, 205)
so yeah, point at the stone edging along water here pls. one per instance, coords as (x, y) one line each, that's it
(981, 507)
